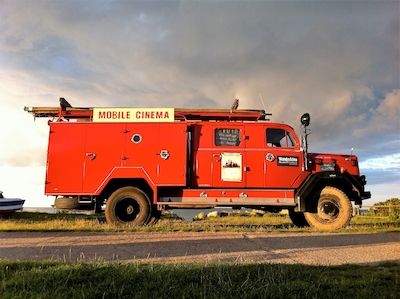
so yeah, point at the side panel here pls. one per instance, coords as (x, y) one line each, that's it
(103, 152)
(65, 158)
(161, 149)
(227, 197)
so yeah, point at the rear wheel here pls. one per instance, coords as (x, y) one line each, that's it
(128, 205)
(298, 218)
(333, 211)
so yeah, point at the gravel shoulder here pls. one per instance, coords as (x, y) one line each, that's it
(203, 247)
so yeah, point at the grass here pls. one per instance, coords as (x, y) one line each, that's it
(268, 223)
(118, 280)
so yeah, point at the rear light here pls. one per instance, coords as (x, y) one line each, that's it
(354, 162)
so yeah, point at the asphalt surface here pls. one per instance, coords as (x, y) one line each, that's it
(292, 248)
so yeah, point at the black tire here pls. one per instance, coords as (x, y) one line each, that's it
(155, 216)
(298, 218)
(333, 211)
(128, 205)
(66, 203)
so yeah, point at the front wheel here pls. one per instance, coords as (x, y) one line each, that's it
(127, 205)
(333, 211)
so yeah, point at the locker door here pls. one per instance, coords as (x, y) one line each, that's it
(65, 158)
(160, 150)
(103, 152)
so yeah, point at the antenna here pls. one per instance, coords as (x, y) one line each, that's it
(262, 101)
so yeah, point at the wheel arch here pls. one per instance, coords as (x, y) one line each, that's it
(117, 183)
(308, 193)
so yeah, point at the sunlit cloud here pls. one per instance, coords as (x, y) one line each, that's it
(389, 162)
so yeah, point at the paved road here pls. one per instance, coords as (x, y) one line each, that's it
(307, 248)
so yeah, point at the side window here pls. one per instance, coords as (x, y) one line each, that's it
(279, 138)
(227, 137)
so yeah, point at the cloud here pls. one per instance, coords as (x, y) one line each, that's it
(385, 163)
(324, 58)
(384, 118)
(23, 142)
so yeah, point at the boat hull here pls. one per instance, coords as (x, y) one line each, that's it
(8, 205)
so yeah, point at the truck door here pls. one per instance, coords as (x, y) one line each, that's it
(103, 152)
(65, 158)
(255, 155)
(227, 156)
(282, 159)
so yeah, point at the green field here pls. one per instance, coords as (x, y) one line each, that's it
(267, 223)
(116, 280)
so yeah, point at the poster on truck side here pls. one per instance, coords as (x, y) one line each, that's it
(231, 167)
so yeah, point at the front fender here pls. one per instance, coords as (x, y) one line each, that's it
(352, 186)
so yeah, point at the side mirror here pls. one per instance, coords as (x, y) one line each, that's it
(305, 119)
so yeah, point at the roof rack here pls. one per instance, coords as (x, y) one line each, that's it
(86, 113)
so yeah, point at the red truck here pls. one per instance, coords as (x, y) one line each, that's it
(140, 161)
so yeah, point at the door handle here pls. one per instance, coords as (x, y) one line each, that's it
(217, 157)
(92, 156)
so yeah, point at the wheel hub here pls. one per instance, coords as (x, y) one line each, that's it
(328, 210)
(129, 210)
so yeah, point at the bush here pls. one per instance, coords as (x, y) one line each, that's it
(390, 207)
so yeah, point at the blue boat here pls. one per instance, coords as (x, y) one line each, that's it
(9, 205)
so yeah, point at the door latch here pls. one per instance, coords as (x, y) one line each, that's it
(164, 154)
(217, 157)
(91, 156)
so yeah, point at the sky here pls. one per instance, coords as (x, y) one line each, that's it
(337, 60)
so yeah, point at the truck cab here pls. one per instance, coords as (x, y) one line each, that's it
(245, 155)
